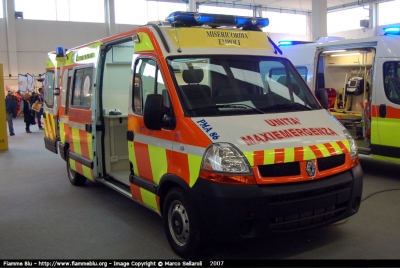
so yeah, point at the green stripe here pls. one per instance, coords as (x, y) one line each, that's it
(158, 162)
(72, 164)
(87, 172)
(324, 151)
(194, 162)
(62, 132)
(149, 198)
(308, 153)
(289, 155)
(336, 147)
(76, 141)
(145, 43)
(269, 157)
(250, 157)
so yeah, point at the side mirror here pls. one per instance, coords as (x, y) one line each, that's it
(322, 97)
(154, 112)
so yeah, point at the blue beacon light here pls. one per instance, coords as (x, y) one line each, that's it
(215, 20)
(59, 51)
(285, 43)
(392, 30)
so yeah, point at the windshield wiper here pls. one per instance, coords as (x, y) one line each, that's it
(286, 105)
(239, 106)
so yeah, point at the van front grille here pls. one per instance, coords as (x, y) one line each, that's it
(331, 162)
(280, 170)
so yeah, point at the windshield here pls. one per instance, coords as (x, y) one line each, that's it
(237, 85)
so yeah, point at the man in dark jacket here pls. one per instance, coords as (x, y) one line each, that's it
(11, 112)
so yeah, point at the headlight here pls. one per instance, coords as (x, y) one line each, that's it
(353, 145)
(225, 157)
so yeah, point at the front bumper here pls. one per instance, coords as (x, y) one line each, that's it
(249, 211)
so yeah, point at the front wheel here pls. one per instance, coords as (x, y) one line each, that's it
(74, 177)
(181, 224)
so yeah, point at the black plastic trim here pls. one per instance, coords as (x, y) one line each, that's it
(61, 148)
(84, 161)
(50, 145)
(384, 150)
(149, 186)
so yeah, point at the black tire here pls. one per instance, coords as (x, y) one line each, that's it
(181, 224)
(74, 177)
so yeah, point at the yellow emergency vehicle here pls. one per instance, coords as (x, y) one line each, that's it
(364, 75)
(200, 120)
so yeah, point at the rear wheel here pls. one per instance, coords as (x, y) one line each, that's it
(74, 177)
(181, 224)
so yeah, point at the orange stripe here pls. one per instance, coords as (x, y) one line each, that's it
(258, 158)
(298, 154)
(79, 168)
(158, 202)
(180, 166)
(135, 191)
(143, 161)
(330, 148)
(316, 151)
(341, 145)
(84, 144)
(279, 156)
(169, 160)
(391, 112)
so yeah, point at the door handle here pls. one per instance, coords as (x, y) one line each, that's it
(88, 128)
(130, 135)
(382, 110)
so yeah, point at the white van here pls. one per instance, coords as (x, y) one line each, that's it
(203, 124)
(362, 77)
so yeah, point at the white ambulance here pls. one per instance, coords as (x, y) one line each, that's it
(204, 124)
(364, 76)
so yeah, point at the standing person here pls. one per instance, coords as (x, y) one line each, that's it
(11, 112)
(17, 98)
(39, 99)
(26, 109)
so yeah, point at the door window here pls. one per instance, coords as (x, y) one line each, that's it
(82, 88)
(391, 74)
(49, 89)
(147, 80)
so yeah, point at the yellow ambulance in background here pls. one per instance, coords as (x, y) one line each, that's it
(199, 119)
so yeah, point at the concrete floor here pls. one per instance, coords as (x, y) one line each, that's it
(42, 216)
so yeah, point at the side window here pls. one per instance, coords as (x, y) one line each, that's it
(82, 88)
(66, 89)
(49, 88)
(391, 71)
(147, 80)
(303, 71)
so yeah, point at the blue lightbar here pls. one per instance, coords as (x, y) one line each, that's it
(216, 20)
(285, 43)
(392, 30)
(290, 43)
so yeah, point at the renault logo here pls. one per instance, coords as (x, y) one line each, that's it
(311, 168)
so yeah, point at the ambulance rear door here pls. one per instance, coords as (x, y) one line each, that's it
(50, 110)
(80, 152)
(386, 110)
